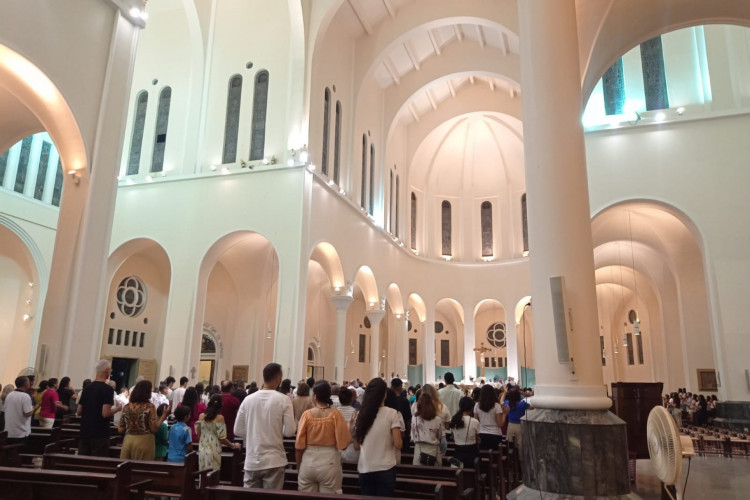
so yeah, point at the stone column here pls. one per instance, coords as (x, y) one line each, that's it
(470, 356)
(572, 447)
(341, 303)
(428, 361)
(73, 318)
(375, 316)
(404, 366)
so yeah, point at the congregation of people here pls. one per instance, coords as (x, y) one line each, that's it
(369, 425)
(690, 409)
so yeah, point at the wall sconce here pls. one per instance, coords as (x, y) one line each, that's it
(382, 355)
(27, 317)
(213, 168)
(398, 316)
(270, 161)
(74, 176)
(489, 258)
(269, 332)
(372, 304)
(351, 344)
(447, 258)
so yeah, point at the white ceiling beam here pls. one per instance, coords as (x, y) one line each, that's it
(451, 88)
(411, 55)
(413, 113)
(480, 36)
(361, 18)
(459, 33)
(433, 40)
(431, 99)
(504, 43)
(391, 70)
(389, 8)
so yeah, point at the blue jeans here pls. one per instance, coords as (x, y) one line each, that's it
(381, 483)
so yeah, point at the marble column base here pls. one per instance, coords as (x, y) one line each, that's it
(574, 454)
(525, 493)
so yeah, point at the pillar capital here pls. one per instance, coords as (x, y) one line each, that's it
(375, 316)
(342, 302)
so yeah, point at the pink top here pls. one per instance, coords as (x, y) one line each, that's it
(48, 408)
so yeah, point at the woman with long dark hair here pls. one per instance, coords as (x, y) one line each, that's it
(212, 433)
(377, 435)
(67, 397)
(321, 433)
(491, 418)
(465, 433)
(286, 388)
(516, 410)
(192, 399)
(139, 422)
(426, 431)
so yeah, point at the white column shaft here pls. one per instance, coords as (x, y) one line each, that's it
(428, 367)
(470, 357)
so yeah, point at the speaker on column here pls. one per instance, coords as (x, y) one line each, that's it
(560, 317)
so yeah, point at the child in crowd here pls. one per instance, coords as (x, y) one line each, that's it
(179, 435)
(162, 436)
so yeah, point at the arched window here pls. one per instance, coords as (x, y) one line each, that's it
(326, 131)
(57, 190)
(486, 220)
(162, 123)
(371, 191)
(337, 144)
(613, 87)
(23, 164)
(136, 140)
(390, 205)
(363, 194)
(446, 227)
(524, 223)
(413, 228)
(260, 106)
(232, 123)
(3, 165)
(397, 206)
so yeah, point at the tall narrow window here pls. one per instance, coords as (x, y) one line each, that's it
(613, 85)
(362, 347)
(23, 164)
(326, 131)
(363, 195)
(654, 74)
(631, 359)
(136, 139)
(397, 232)
(445, 352)
(486, 220)
(524, 223)
(412, 352)
(260, 107)
(232, 123)
(413, 228)
(3, 165)
(390, 205)
(601, 348)
(160, 135)
(372, 180)
(446, 226)
(41, 173)
(57, 190)
(337, 144)
(639, 342)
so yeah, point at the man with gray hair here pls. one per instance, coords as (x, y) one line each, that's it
(96, 407)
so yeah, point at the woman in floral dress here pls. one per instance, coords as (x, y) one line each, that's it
(212, 433)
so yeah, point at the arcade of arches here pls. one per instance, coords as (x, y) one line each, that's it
(355, 188)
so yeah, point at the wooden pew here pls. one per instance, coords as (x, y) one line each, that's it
(38, 484)
(457, 477)
(236, 493)
(9, 453)
(405, 487)
(166, 479)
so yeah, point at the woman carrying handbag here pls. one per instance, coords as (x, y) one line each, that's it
(426, 432)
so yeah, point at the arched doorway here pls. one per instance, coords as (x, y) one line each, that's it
(210, 354)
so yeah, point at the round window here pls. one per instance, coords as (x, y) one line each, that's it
(496, 335)
(632, 316)
(131, 296)
(438, 327)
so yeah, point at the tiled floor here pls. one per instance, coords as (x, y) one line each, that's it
(711, 478)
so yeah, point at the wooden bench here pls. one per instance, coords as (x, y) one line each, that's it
(38, 484)
(165, 478)
(9, 453)
(236, 493)
(456, 477)
(405, 487)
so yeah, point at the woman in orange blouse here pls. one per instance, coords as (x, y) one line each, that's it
(139, 422)
(321, 433)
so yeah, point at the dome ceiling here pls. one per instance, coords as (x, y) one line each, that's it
(476, 155)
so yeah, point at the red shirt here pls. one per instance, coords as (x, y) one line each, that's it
(48, 408)
(229, 407)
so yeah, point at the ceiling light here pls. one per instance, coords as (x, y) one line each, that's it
(213, 168)
(224, 170)
(149, 178)
(447, 258)
(290, 162)
(136, 13)
(660, 116)
(680, 110)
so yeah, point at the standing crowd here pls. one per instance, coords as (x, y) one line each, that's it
(332, 424)
(690, 409)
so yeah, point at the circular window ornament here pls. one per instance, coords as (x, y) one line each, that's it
(367, 322)
(496, 335)
(131, 296)
(439, 327)
(632, 316)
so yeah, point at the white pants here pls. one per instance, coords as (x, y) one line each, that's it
(46, 423)
(320, 470)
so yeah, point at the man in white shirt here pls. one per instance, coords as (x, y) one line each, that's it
(18, 411)
(450, 395)
(178, 393)
(264, 418)
(159, 397)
